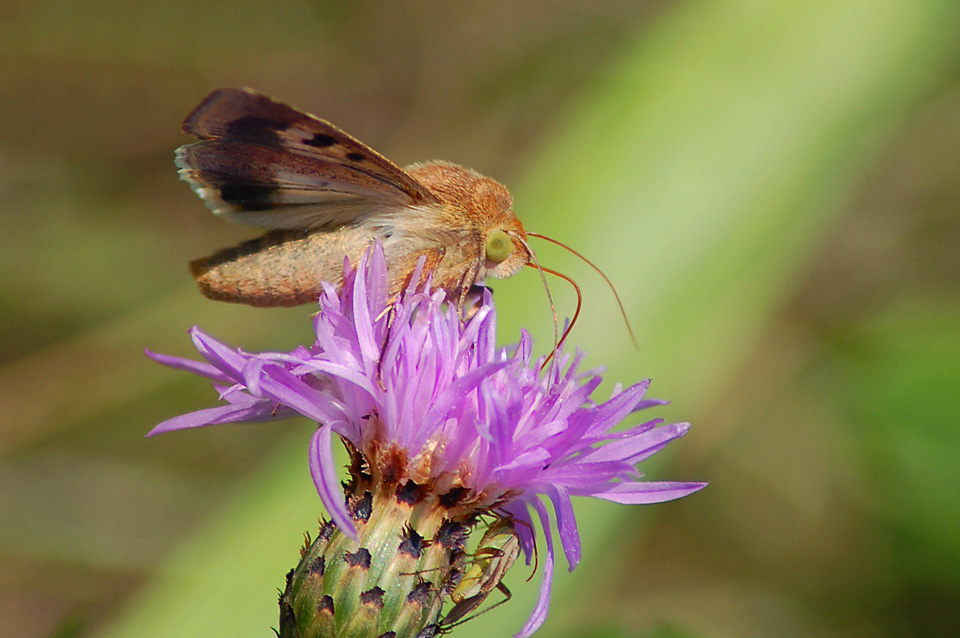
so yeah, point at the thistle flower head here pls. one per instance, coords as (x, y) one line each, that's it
(429, 405)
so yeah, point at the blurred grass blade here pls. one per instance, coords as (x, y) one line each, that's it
(705, 170)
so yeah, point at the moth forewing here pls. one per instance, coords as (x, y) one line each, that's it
(244, 115)
(275, 189)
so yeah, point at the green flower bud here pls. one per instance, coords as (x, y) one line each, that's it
(394, 578)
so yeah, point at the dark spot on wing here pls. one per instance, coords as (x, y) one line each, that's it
(255, 129)
(356, 157)
(249, 196)
(321, 140)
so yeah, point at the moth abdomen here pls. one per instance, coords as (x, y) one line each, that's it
(281, 268)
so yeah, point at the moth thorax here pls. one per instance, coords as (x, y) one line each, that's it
(491, 199)
(463, 188)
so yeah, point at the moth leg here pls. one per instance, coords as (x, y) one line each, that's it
(407, 264)
(474, 298)
(467, 285)
(433, 258)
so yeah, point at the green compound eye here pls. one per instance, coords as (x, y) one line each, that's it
(499, 246)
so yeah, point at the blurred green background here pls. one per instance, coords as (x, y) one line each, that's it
(773, 186)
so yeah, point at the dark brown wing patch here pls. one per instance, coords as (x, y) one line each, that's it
(270, 187)
(243, 115)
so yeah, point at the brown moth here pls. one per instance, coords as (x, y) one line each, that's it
(323, 195)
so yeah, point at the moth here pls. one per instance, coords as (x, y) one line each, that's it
(323, 195)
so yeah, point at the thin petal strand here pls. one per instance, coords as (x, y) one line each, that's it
(325, 478)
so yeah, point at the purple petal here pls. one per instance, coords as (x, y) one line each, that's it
(415, 276)
(644, 492)
(343, 372)
(324, 474)
(615, 410)
(287, 389)
(539, 614)
(257, 409)
(649, 403)
(224, 358)
(454, 394)
(671, 432)
(189, 365)
(566, 524)
(638, 447)
(252, 373)
(361, 313)
(585, 477)
(635, 430)
(535, 457)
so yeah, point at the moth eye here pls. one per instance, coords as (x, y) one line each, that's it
(499, 246)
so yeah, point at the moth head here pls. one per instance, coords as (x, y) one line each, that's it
(505, 249)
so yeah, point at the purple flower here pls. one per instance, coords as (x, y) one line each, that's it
(411, 380)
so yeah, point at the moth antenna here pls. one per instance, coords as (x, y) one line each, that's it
(623, 312)
(566, 331)
(543, 278)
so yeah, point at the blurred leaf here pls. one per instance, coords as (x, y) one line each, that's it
(898, 376)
